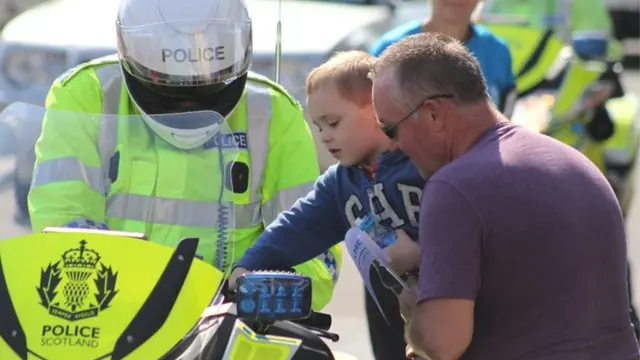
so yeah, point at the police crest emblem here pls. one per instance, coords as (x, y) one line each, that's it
(78, 286)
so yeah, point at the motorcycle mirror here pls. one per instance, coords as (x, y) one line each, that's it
(266, 296)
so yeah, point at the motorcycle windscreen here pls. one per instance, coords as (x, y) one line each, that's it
(82, 292)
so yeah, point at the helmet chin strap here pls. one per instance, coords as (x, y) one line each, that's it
(185, 139)
(184, 143)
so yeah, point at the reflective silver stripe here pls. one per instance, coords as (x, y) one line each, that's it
(330, 262)
(258, 122)
(67, 169)
(565, 10)
(70, 168)
(178, 212)
(619, 157)
(283, 200)
(110, 77)
(510, 103)
(589, 34)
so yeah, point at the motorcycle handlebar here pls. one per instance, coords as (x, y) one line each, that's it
(317, 320)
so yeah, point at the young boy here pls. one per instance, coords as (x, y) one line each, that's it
(368, 178)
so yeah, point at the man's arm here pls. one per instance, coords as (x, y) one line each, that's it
(67, 184)
(311, 228)
(441, 325)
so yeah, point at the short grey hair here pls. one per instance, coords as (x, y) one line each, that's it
(429, 64)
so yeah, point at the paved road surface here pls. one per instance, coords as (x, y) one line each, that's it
(348, 302)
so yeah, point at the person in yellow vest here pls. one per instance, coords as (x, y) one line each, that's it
(156, 175)
(571, 19)
(585, 24)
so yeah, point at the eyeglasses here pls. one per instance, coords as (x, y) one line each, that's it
(392, 130)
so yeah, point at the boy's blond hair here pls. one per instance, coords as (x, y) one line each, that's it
(348, 70)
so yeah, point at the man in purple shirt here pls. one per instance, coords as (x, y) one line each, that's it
(523, 252)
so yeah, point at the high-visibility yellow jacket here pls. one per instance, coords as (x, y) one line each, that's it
(167, 193)
(565, 16)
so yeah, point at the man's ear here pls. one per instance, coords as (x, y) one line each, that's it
(435, 115)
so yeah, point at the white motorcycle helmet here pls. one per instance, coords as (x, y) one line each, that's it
(182, 56)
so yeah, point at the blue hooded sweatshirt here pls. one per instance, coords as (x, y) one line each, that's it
(340, 196)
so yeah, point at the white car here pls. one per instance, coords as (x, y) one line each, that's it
(10, 8)
(46, 40)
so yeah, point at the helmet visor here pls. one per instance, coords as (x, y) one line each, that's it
(186, 53)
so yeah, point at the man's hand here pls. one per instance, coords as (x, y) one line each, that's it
(235, 274)
(438, 328)
(404, 254)
(407, 301)
(407, 298)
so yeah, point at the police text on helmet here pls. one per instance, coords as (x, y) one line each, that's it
(193, 55)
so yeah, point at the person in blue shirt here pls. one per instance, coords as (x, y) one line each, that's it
(453, 18)
(369, 178)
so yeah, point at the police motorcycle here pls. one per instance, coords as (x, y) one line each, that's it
(561, 94)
(88, 293)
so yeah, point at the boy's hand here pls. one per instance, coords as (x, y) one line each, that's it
(404, 254)
(235, 274)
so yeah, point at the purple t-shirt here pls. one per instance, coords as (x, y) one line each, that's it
(530, 229)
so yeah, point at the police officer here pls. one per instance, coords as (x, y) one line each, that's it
(586, 24)
(176, 57)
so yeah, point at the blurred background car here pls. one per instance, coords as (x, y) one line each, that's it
(10, 8)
